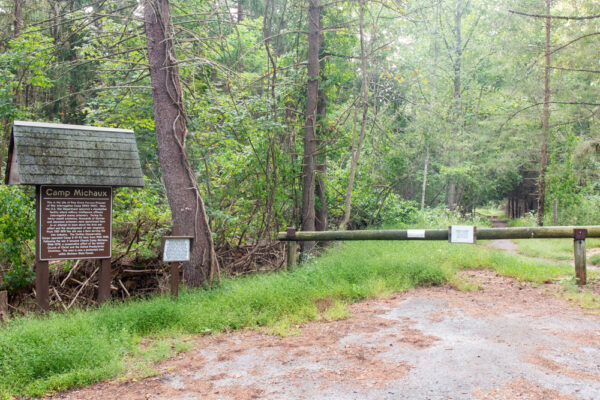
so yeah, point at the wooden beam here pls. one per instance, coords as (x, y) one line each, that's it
(537, 232)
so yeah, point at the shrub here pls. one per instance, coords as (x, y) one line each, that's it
(17, 230)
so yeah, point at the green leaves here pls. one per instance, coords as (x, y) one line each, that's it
(17, 230)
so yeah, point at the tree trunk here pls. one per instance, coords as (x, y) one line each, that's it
(545, 125)
(18, 26)
(310, 145)
(425, 178)
(187, 207)
(365, 105)
(451, 200)
(321, 220)
(432, 104)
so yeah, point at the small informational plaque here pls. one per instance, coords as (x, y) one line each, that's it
(74, 222)
(415, 233)
(176, 248)
(462, 234)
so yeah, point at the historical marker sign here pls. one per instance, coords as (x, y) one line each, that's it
(176, 248)
(75, 222)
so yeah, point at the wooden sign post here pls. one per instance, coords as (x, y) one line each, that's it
(74, 169)
(176, 250)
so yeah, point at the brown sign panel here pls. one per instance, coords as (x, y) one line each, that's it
(75, 222)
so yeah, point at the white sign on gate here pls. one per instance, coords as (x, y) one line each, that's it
(462, 234)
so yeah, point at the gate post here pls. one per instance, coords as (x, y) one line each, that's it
(580, 257)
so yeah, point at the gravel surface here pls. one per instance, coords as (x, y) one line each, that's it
(506, 341)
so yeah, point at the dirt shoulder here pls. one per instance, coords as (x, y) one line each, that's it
(506, 341)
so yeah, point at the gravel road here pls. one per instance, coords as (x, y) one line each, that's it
(505, 341)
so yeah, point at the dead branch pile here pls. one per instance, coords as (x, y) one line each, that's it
(77, 285)
(246, 259)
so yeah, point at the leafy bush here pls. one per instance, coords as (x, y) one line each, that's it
(581, 210)
(17, 230)
(140, 217)
(442, 218)
(369, 209)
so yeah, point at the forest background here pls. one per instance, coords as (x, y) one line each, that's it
(440, 106)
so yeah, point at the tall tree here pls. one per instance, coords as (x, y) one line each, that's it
(545, 121)
(310, 142)
(364, 97)
(321, 218)
(187, 206)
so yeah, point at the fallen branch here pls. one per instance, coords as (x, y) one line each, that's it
(82, 286)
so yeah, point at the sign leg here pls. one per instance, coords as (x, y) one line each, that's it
(104, 281)
(175, 279)
(42, 278)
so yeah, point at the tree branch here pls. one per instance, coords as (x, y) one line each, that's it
(553, 16)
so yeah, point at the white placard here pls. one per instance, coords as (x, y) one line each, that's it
(176, 249)
(415, 233)
(462, 234)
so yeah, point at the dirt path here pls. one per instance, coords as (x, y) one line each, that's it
(504, 244)
(507, 341)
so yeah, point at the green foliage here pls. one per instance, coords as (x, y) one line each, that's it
(440, 218)
(24, 62)
(595, 259)
(527, 220)
(140, 218)
(17, 229)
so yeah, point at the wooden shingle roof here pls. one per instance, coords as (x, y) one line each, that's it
(57, 154)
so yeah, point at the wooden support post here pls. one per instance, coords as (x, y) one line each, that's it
(42, 273)
(292, 248)
(175, 268)
(580, 257)
(104, 281)
(3, 306)
(555, 212)
(42, 285)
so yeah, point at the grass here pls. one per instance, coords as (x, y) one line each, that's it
(555, 249)
(594, 260)
(41, 355)
(490, 211)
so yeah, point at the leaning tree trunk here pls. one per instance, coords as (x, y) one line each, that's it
(187, 207)
(310, 145)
